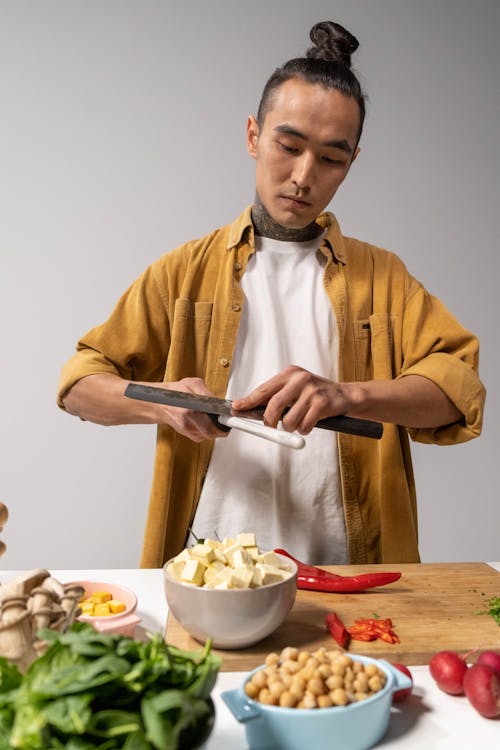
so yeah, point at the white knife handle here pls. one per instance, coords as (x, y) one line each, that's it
(290, 439)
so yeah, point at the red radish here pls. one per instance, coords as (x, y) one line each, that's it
(448, 669)
(491, 659)
(401, 695)
(482, 688)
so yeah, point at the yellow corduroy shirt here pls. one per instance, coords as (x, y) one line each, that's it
(180, 319)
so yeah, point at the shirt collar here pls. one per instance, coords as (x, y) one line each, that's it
(332, 245)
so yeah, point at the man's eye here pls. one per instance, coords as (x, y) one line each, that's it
(335, 162)
(288, 149)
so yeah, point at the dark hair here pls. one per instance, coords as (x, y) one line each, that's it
(327, 62)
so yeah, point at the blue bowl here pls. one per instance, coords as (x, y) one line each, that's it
(357, 726)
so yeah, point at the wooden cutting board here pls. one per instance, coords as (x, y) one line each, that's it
(433, 607)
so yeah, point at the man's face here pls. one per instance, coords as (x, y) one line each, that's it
(303, 150)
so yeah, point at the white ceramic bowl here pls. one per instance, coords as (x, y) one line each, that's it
(357, 726)
(232, 618)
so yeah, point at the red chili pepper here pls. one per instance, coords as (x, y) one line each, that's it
(337, 629)
(315, 579)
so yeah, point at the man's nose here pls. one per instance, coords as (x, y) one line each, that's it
(303, 172)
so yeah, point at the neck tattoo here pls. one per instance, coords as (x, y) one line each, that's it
(266, 226)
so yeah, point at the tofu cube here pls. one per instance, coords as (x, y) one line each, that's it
(269, 558)
(176, 568)
(183, 556)
(242, 577)
(246, 540)
(116, 606)
(202, 552)
(220, 556)
(271, 574)
(240, 558)
(254, 552)
(212, 570)
(193, 572)
(230, 552)
(223, 579)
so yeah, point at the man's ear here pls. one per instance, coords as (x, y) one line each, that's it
(252, 135)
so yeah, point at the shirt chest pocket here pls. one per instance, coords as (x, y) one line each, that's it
(375, 356)
(190, 336)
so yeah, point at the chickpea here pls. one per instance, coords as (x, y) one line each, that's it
(338, 697)
(289, 653)
(338, 668)
(335, 681)
(375, 683)
(345, 660)
(297, 689)
(266, 697)
(370, 670)
(324, 701)
(290, 666)
(361, 683)
(251, 689)
(272, 659)
(302, 657)
(309, 701)
(325, 671)
(320, 655)
(277, 689)
(312, 662)
(260, 679)
(307, 673)
(316, 686)
(360, 696)
(357, 667)
(288, 700)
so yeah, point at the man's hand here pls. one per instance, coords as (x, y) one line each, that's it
(195, 425)
(412, 401)
(100, 398)
(309, 398)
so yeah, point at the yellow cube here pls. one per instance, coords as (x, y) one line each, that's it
(98, 597)
(102, 610)
(116, 606)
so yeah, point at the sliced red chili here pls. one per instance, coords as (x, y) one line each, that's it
(337, 629)
(370, 628)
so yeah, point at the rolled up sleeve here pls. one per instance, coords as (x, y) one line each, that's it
(436, 346)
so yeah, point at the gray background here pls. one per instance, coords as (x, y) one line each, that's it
(122, 134)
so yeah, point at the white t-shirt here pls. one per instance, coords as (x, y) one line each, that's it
(289, 498)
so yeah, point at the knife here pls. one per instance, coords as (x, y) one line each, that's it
(223, 407)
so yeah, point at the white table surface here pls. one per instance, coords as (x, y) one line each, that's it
(428, 720)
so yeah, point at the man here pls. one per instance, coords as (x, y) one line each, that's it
(282, 307)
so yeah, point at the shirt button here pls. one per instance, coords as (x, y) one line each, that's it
(238, 266)
(235, 306)
(224, 362)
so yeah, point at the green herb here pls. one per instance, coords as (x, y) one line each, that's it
(494, 608)
(91, 690)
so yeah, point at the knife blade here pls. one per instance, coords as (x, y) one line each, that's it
(212, 405)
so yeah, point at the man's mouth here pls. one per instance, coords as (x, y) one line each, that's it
(296, 200)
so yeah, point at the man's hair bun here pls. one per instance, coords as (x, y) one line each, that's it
(332, 42)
